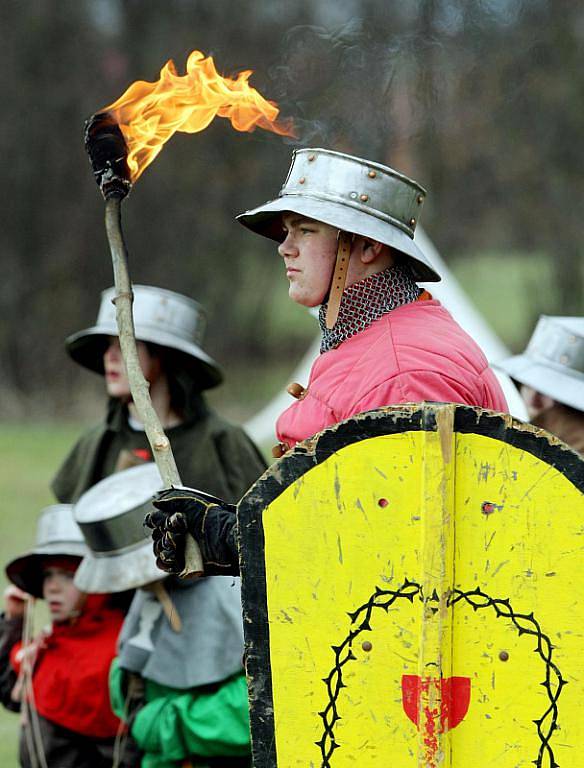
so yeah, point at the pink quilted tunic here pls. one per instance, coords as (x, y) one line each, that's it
(415, 352)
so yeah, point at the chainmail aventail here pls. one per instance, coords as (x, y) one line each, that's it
(366, 301)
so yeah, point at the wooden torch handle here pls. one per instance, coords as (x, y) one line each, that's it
(159, 442)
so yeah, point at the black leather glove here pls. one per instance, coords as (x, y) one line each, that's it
(212, 522)
(107, 150)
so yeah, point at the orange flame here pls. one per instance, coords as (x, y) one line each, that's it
(150, 113)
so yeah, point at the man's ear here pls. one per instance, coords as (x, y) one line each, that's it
(370, 250)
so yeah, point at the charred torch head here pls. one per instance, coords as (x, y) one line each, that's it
(108, 152)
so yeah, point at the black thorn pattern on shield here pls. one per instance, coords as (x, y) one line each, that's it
(382, 598)
(525, 624)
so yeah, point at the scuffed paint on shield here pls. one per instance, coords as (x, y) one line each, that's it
(411, 586)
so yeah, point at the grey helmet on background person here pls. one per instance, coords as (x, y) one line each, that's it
(162, 317)
(57, 535)
(111, 518)
(201, 640)
(553, 362)
(353, 195)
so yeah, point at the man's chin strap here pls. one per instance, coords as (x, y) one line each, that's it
(344, 240)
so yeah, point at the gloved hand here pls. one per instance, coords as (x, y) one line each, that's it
(107, 150)
(212, 522)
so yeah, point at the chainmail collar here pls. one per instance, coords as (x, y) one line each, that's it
(366, 301)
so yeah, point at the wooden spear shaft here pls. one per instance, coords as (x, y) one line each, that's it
(159, 442)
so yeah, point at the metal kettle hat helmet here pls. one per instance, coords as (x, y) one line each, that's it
(353, 195)
(161, 317)
(111, 517)
(553, 362)
(57, 535)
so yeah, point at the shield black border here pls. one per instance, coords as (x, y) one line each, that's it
(314, 451)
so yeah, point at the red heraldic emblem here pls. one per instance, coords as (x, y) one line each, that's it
(453, 693)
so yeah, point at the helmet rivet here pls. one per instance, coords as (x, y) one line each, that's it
(311, 158)
(301, 180)
(364, 198)
(353, 195)
(564, 359)
(420, 199)
(412, 222)
(372, 174)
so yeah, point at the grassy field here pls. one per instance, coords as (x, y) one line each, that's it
(510, 290)
(29, 456)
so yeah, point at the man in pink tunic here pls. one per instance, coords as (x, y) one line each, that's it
(345, 228)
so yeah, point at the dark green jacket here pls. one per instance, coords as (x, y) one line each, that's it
(211, 454)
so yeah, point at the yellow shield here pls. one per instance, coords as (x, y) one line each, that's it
(412, 588)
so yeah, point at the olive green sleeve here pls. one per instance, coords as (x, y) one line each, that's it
(242, 462)
(75, 475)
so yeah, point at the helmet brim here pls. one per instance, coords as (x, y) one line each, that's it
(87, 348)
(119, 571)
(558, 383)
(266, 220)
(26, 572)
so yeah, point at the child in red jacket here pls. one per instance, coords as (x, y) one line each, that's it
(60, 679)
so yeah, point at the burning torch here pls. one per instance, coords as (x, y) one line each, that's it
(122, 140)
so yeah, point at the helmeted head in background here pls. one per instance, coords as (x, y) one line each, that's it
(58, 539)
(550, 376)
(47, 571)
(163, 319)
(553, 362)
(350, 194)
(111, 518)
(200, 641)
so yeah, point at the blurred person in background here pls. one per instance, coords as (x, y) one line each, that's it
(59, 679)
(178, 680)
(209, 451)
(345, 228)
(550, 376)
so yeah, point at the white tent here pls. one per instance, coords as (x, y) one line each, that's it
(261, 426)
